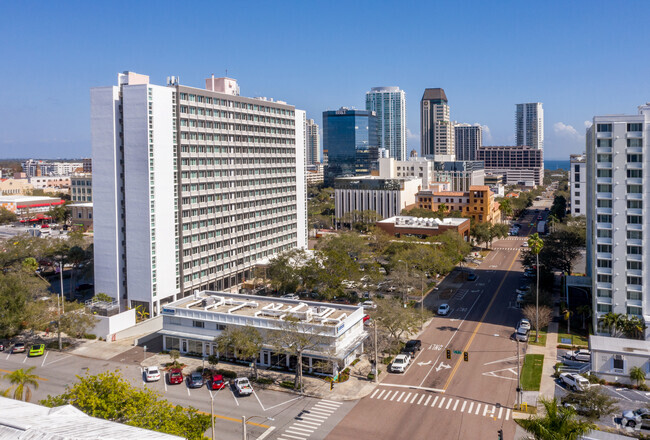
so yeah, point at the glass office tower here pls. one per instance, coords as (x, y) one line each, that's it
(351, 140)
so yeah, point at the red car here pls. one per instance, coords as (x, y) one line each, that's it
(175, 376)
(217, 382)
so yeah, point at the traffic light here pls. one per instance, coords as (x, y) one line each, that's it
(500, 432)
(466, 356)
(448, 354)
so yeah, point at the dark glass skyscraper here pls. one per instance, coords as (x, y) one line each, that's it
(351, 140)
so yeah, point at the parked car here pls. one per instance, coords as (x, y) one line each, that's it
(443, 309)
(290, 296)
(523, 323)
(400, 363)
(36, 350)
(243, 386)
(523, 290)
(19, 347)
(521, 334)
(574, 381)
(195, 380)
(366, 318)
(2, 347)
(472, 277)
(151, 374)
(368, 305)
(175, 376)
(217, 382)
(581, 355)
(412, 346)
(640, 416)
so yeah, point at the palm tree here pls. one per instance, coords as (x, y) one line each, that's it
(585, 312)
(535, 245)
(559, 423)
(633, 327)
(638, 375)
(23, 379)
(442, 210)
(612, 321)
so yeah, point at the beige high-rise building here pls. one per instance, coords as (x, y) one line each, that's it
(437, 130)
(312, 134)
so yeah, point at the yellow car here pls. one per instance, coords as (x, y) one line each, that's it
(37, 350)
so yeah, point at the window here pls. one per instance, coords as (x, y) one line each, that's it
(635, 265)
(634, 250)
(634, 219)
(635, 174)
(605, 263)
(635, 235)
(604, 308)
(604, 278)
(605, 248)
(637, 126)
(604, 203)
(604, 233)
(604, 143)
(604, 158)
(604, 188)
(604, 293)
(634, 281)
(618, 362)
(633, 310)
(635, 142)
(576, 168)
(634, 296)
(634, 189)
(603, 128)
(634, 158)
(199, 324)
(604, 173)
(604, 218)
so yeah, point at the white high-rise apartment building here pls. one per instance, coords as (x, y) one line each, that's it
(529, 125)
(312, 134)
(437, 130)
(468, 139)
(389, 103)
(578, 184)
(195, 186)
(618, 202)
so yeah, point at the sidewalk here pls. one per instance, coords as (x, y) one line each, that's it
(547, 386)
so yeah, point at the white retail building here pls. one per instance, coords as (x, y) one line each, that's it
(578, 184)
(195, 186)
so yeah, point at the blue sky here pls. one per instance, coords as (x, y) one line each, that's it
(580, 58)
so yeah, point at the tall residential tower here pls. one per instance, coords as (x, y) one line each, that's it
(195, 186)
(529, 125)
(389, 104)
(312, 134)
(437, 131)
(618, 216)
(468, 139)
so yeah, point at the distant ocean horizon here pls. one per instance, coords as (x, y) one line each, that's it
(550, 164)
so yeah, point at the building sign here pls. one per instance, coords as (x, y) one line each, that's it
(168, 311)
(340, 328)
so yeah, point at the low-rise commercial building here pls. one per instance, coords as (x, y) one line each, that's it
(460, 174)
(28, 206)
(424, 227)
(14, 187)
(521, 165)
(336, 331)
(612, 358)
(314, 174)
(54, 182)
(82, 214)
(387, 197)
(478, 203)
(81, 187)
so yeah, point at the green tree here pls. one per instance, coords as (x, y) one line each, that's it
(60, 214)
(109, 396)
(499, 230)
(18, 290)
(22, 380)
(585, 312)
(637, 374)
(76, 321)
(103, 297)
(246, 342)
(633, 327)
(391, 315)
(7, 216)
(612, 321)
(505, 206)
(593, 403)
(480, 232)
(558, 423)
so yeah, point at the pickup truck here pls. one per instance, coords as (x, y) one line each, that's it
(243, 386)
(574, 381)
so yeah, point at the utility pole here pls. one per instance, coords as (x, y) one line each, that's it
(212, 413)
(243, 426)
(518, 376)
(376, 364)
(62, 311)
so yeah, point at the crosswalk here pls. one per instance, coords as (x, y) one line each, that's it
(309, 420)
(507, 248)
(440, 401)
(514, 238)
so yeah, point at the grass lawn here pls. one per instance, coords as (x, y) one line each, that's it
(531, 372)
(579, 335)
(542, 338)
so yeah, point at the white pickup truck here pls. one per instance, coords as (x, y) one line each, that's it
(574, 381)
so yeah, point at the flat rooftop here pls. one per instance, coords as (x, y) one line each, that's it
(421, 222)
(27, 199)
(265, 307)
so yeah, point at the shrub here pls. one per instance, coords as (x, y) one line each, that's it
(643, 387)
(90, 336)
(556, 374)
(354, 362)
(289, 384)
(387, 360)
(229, 374)
(264, 380)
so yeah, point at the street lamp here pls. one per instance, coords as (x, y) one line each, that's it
(61, 302)
(535, 244)
(245, 420)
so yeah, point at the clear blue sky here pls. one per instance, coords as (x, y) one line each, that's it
(580, 58)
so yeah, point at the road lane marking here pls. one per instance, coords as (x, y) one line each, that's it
(478, 326)
(292, 427)
(266, 433)
(373, 394)
(331, 405)
(507, 413)
(441, 402)
(478, 408)
(233, 396)
(421, 398)
(388, 394)
(471, 405)
(310, 423)
(259, 401)
(44, 357)
(508, 359)
(434, 401)
(293, 436)
(25, 359)
(412, 387)
(427, 402)
(500, 412)
(462, 409)
(449, 342)
(456, 405)
(401, 395)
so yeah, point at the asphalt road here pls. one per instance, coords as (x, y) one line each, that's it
(452, 398)
(272, 414)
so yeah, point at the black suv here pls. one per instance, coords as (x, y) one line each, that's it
(412, 346)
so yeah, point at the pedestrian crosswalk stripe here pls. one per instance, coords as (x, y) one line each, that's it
(507, 413)
(448, 404)
(471, 405)
(463, 407)
(394, 395)
(373, 394)
(500, 411)
(380, 394)
(293, 436)
(441, 402)
(294, 426)
(327, 405)
(434, 401)
(456, 405)
(407, 397)
(478, 408)
(330, 402)
(307, 422)
(421, 398)
(388, 394)
(401, 395)
(427, 402)
(414, 397)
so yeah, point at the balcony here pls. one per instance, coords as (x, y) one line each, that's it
(604, 180)
(634, 196)
(604, 165)
(604, 135)
(601, 285)
(603, 149)
(603, 225)
(634, 149)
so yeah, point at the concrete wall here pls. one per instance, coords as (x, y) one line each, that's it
(107, 326)
(144, 328)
